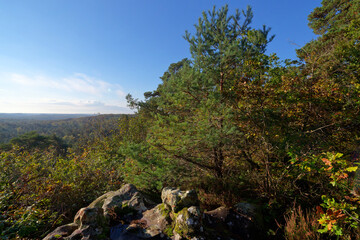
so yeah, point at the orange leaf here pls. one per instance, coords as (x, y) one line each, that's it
(326, 161)
(343, 176)
(328, 169)
(329, 226)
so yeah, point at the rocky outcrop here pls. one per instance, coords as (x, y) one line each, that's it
(94, 221)
(188, 223)
(90, 217)
(89, 223)
(157, 220)
(126, 214)
(177, 199)
(126, 200)
(62, 231)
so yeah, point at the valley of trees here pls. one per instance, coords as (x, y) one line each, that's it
(71, 128)
(232, 122)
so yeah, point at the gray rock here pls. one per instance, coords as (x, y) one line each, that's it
(122, 201)
(89, 223)
(90, 216)
(99, 202)
(86, 233)
(178, 200)
(94, 220)
(188, 222)
(179, 214)
(216, 215)
(157, 220)
(62, 231)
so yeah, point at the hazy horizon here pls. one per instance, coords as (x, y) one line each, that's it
(46, 116)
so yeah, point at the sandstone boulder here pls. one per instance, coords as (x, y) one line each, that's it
(125, 201)
(90, 216)
(89, 233)
(157, 220)
(62, 231)
(126, 214)
(93, 222)
(178, 200)
(188, 222)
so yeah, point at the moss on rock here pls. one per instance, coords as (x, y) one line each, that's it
(165, 210)
(187, 221)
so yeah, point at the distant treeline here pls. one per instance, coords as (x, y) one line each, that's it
(70, 130)
(41, 116)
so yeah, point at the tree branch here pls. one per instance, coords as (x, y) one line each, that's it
(315, 130)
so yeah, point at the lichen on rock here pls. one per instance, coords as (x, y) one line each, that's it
(177, 217)
(62, 231)
(177, 199)
(188, 221)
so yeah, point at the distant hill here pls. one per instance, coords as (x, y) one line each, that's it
(40, 116)
(69, 127)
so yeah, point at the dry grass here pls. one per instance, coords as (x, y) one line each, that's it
(301, 225)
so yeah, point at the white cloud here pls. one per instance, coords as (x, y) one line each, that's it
(78, 82)
(77, 93)
(58, 106)
(120, 93)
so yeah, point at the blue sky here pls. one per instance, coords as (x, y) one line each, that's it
(84, 56)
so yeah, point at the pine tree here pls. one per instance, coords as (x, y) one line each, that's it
(197, 103)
